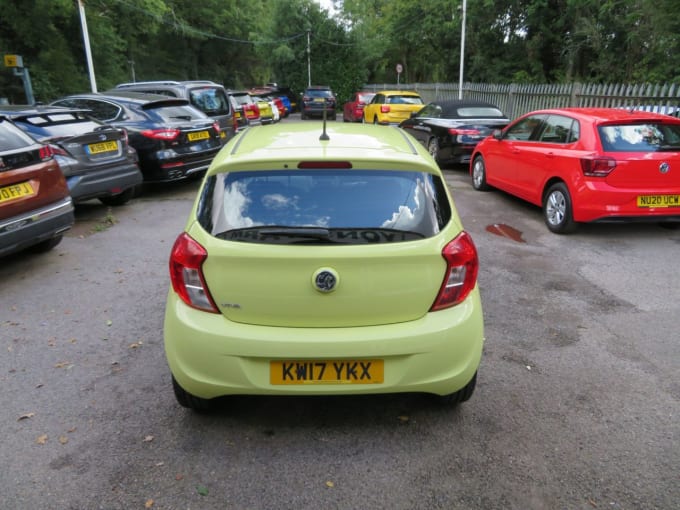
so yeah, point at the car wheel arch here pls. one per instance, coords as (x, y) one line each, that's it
(566, 224)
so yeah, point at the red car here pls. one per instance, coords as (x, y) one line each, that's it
(353, 110)
(586, 165)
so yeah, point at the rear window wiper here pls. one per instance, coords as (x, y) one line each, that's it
(298, 235)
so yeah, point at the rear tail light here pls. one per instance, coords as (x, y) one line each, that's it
(124, 135)
(597, 167)
(186, 274)
(385, 108)
(47, 152)
(462, 266)
(217, 128)
(468, 132)
(161, 134)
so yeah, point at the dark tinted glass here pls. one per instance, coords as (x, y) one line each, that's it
(175, 113)
(357, 206)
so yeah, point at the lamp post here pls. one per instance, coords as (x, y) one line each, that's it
(462, 52)
(86, 39)
(309, 65)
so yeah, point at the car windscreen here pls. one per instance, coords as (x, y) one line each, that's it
(323, 206)
(652, 136)
(318, 93)
(397, 99)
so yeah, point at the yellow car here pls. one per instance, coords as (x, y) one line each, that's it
(323, 261)
(392, 107)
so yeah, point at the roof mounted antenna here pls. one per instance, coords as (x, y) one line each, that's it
(324, 135)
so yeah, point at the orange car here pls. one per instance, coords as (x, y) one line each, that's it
(35, 205)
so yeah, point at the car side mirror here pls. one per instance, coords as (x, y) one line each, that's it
(497, 134)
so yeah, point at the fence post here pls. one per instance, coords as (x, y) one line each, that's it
(575, 94)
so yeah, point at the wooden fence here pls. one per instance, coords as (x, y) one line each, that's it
(516, 100)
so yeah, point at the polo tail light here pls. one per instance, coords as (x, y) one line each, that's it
(597, 167)
(186, 274)
(462, 266)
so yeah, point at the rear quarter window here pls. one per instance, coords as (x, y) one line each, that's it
(12, 138)
(358, 207)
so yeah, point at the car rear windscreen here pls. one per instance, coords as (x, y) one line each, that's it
(640, 137)
(341, 206)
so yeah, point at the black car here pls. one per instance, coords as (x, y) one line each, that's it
(94, 157)
(315, 100)
(208, 96)
(173, 139)
(451, 129)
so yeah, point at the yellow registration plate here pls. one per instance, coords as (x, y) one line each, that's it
(98, 148)
(23, 189)
(658, 201)
(369, 371)
(199, 135)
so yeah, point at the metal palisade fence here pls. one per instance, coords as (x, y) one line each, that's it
(517, 99)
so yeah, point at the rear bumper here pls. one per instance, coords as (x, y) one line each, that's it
(103, 182)
(210, 356)
(176, 167)
(596, 201)
(28, 229)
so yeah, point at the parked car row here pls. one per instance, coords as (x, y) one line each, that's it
(580, 165)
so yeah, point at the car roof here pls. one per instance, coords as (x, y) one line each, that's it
(399, 92)
(278, 145)
(28, 110)
(168, 83)
(129, 96)
(599, 114)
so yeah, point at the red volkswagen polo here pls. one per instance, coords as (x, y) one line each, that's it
(586, 165)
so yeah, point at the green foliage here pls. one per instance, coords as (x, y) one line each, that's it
(244, 44)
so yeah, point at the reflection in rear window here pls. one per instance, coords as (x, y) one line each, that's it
(643, 137)
(411, 205)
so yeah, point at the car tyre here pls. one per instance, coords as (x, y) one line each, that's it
(118, 199)
(462, 395)
(479, 174)
(186, 399)
(433, 149)
(375, 120)
(47, 245)
(557, 209)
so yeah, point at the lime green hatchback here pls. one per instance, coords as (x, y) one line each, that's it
(323, 262)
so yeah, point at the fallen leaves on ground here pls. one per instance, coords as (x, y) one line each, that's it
(26, 416)
(203, 491)
(41, 439)
(148, 439)
(149, 503)
(63, 439)
(330, 484)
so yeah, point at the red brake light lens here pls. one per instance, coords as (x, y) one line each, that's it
(47, 152)
(385, 108)
(597, 167)
(161, 134)
(186, 274)
(468, 132)
(462, 266)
